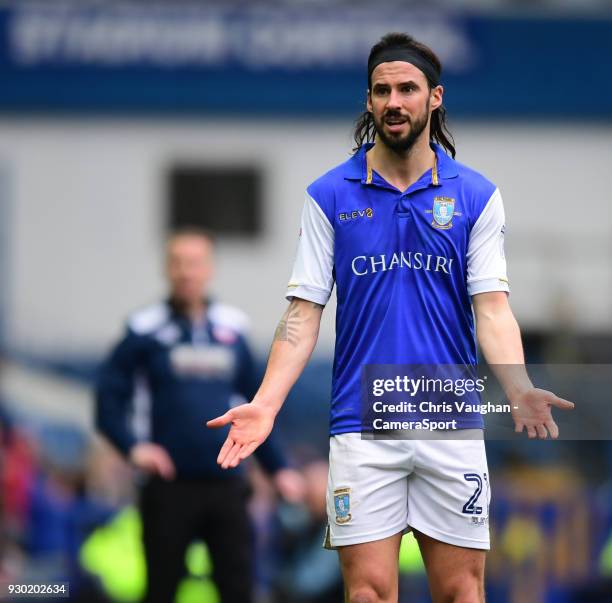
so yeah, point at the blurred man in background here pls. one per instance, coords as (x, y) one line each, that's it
(193, 357)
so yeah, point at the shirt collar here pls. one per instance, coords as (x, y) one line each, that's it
(177, 312)
(357, 167)
(445, 164)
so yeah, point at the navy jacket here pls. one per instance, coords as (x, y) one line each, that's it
(192, 373)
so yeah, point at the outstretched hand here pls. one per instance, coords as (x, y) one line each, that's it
(251, 424)
(532, 410)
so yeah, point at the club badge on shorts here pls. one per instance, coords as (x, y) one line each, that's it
(443, 212)
(342, 504)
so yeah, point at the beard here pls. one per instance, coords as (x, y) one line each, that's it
(397, 143)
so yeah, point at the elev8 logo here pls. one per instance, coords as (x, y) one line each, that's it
(368, 212)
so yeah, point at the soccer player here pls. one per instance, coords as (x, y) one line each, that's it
(414, 243)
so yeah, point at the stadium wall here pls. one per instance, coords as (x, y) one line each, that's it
(87, 209)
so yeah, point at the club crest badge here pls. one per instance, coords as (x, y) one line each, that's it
(342, 504)
(443, 212)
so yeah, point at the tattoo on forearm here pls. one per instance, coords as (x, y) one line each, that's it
(288, 328)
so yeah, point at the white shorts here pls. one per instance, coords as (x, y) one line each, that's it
(377, 488)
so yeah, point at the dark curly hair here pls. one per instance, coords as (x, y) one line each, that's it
(439, 132)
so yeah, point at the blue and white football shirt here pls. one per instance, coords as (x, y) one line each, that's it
(405, 266)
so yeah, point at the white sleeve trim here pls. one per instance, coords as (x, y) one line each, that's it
(486, 262)
(312, 276)
(318, 296)
(230, 317)
(489, 284)
(147, 320)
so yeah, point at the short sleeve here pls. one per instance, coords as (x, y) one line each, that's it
(486, 262)
(313, 270)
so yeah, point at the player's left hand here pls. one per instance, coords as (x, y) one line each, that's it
(531, 410)
(290, 485)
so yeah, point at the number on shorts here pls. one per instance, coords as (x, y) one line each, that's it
(470, 508)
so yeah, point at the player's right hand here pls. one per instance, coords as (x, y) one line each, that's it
(251, 424)
(152, 458)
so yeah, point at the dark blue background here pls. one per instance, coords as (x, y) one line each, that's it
(544, 68)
